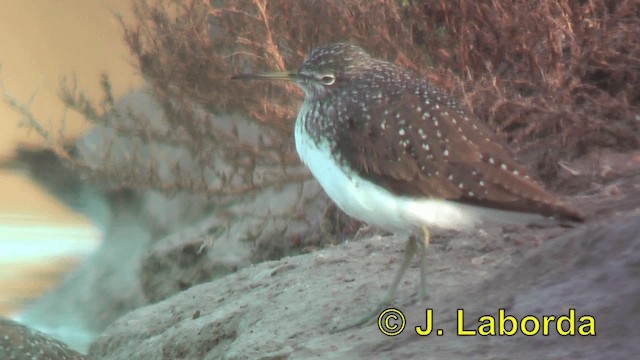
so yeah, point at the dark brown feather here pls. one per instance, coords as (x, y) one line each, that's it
(418, 142)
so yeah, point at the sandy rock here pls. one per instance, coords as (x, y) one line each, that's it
(18, 342)
(285, 309)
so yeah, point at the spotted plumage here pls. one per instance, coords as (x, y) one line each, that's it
(393, 150)
(395, 130)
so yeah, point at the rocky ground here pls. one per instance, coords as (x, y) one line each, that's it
(136, 295)
(174, 280)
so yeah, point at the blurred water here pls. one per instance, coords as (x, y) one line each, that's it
(43, 235)
(40, 240)
(41, 42)
(23, 238)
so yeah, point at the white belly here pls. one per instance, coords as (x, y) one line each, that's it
(373, 204)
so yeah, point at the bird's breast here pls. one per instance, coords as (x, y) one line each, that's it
(371, 202)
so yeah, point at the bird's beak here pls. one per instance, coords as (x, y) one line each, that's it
(284, 75)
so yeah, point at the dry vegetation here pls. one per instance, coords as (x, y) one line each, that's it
(556, 78)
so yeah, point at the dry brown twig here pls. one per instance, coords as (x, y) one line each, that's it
(557, 74)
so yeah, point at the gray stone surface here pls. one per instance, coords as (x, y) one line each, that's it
(156, 245)
(19, 342)
(284, 309)
(254, 228)
(173, 278)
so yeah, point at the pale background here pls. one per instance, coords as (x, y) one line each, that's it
(40, 43)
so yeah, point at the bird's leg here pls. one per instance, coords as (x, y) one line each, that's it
(409, 251)
(426, 239)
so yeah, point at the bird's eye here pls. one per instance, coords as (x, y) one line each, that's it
(328, 79)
